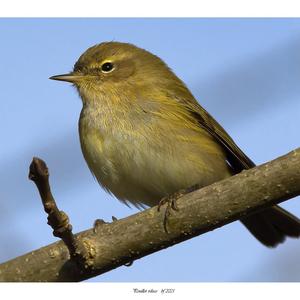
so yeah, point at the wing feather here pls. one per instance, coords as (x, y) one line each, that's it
(235, 156)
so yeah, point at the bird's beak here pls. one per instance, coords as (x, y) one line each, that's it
(71, 77)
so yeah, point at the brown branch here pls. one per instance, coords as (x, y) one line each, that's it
(58, 220)
(114, 244)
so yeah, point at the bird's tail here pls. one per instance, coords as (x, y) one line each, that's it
(273, 225)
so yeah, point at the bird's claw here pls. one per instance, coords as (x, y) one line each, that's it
(97, 224)
(128, 264)
(171, 205)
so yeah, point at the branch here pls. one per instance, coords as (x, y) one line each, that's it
(58, 220)
(122, 241)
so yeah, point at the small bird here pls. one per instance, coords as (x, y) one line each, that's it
(144, 136)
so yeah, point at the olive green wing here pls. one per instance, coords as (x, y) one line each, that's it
(270, 226)
(235, 156)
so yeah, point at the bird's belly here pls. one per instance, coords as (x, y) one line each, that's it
(142, 172)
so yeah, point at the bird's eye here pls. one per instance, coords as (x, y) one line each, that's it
(107, 67)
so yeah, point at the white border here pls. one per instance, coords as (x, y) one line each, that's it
(211, 291)
(153, 8)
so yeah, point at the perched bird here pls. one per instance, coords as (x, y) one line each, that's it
(144, 136)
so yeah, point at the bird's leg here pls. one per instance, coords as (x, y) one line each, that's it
(170, 200)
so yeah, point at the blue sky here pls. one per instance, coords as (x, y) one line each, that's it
(245, 72)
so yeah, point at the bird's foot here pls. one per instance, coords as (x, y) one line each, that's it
(171, 205)
(171, 202)
(129, 264)
(98, 223)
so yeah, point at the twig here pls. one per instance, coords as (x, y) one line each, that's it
(128, 239)
(58, 220)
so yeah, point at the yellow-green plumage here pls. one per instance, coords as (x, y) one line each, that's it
(144, 136)
(139, 140)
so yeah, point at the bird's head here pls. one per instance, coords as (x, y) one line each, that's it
(115, 66)
(125, 77)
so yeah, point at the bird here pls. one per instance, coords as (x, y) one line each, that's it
(144, 136)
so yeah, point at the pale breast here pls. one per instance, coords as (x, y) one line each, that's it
(141, 166)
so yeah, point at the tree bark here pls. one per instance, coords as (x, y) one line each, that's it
(114, 244)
